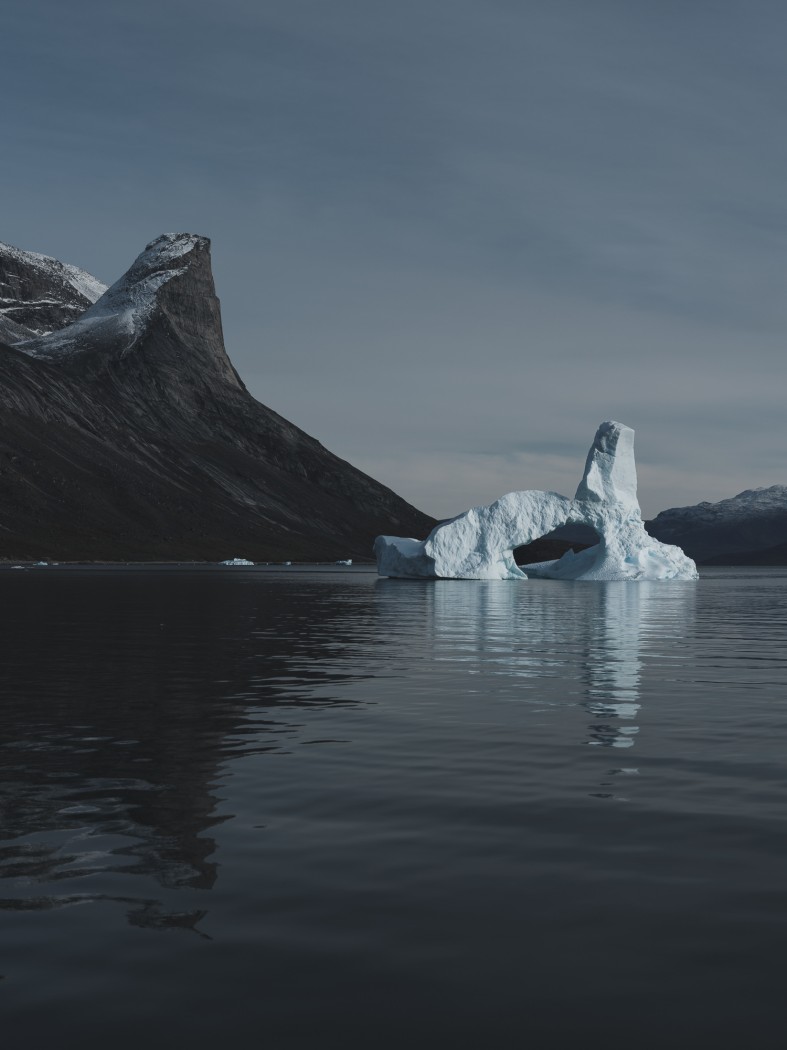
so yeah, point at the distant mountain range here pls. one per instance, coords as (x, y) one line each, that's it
(747, 529)
(126, 433)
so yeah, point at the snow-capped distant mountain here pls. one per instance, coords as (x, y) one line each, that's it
(128, 434)
(39, 295)
(747, 528)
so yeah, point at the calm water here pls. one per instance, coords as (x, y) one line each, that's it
(312, 809)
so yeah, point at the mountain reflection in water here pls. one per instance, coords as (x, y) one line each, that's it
(122, 701)
(328, 809)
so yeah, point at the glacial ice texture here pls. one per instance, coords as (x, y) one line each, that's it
(479, 544)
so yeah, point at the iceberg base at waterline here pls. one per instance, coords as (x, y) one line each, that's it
(479, 544)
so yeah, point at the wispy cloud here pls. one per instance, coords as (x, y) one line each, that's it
(450, 237)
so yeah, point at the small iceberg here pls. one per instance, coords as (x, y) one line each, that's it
(237, 561)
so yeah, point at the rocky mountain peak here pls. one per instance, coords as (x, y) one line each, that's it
(39, 295)
(163, 308)
(128, 434)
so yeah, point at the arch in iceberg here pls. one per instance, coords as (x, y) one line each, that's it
(479, 544)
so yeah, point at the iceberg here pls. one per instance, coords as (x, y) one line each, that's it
(479, 544)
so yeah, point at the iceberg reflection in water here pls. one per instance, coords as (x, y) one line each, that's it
(327, 807)
(522, 634)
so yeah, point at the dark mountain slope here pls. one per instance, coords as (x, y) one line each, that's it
(39, 295)
(129, 435)
(720, 533)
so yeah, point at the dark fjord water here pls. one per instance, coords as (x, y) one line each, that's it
(314, 809)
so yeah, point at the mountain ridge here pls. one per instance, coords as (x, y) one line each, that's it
(39, 294)
(129, 434)
(754, 520)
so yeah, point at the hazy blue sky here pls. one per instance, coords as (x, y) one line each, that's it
(449, 236)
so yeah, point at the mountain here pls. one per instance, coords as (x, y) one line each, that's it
(39, 295)
(126, 433)
(776, 555)
(746, 529)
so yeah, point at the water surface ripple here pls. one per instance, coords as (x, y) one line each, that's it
(314, 808)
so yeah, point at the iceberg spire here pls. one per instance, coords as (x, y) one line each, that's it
(610, 471)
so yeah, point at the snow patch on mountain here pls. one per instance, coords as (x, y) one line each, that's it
(118, 318)
(85, 283)
(80, 280)
(39, 294)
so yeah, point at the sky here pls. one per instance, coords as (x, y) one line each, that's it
(450, 237)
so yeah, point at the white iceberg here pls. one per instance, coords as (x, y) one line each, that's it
(479, 544)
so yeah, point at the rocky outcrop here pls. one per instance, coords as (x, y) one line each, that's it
(128, 434)
(39, 295)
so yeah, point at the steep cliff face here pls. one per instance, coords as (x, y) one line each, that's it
(129, 434)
